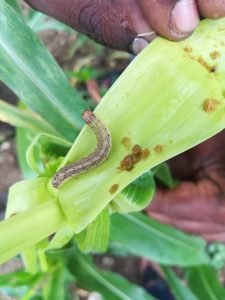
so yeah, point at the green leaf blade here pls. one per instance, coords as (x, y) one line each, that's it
(110, 285)
(36, 79)
(25, 119)
(180, 290)
(169, 114)
(136, 196)
(169, 118)
(95, 237)
(25, 229)
(141, 236)
(204, 283)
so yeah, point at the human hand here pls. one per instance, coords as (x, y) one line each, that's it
(131, 24)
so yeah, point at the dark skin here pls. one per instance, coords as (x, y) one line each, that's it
(197, 205)
(116, 23)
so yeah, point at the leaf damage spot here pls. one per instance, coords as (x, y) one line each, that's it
(207, 66)
(210, 105)
(126, 142)
(137, 154)
(158, 148)
(114, 188)
(127, 163)
(188, 49)
(215, 54)
(12, 215)
(145, 153)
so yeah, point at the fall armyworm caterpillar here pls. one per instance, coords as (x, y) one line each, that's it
(94, 159)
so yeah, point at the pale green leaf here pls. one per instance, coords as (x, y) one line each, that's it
(25, 229)
(33, 151)
(95, 237)
(159, 103)
(61, 238)
(34, 258)
(30, 260)
(24, 195)
(171, 116)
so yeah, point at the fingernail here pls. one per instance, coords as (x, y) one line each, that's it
(138, 45)
(184, 17)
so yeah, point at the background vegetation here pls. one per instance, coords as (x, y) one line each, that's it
(149, 105)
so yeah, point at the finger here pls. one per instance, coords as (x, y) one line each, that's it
(212, 8)
(112, 23)
(172, 19)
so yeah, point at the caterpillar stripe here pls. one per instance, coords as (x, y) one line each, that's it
(94, 159)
